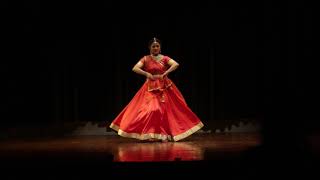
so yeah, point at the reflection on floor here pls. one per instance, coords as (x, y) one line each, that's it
(130, 150)
(223, 155)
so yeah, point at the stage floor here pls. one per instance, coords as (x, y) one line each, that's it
(220, 155)
(120, 149)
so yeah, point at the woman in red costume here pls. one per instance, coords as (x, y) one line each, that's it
(158, 111)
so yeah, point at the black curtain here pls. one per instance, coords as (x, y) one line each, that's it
(72, 62)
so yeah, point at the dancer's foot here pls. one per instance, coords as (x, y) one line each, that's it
(164, 140)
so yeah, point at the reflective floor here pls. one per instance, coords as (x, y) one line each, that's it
(130, 150)
(228, 156)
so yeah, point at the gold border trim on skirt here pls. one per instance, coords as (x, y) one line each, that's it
(157, 136)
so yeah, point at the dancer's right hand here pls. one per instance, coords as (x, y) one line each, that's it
(150, 76)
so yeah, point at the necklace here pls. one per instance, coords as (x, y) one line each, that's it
(157, 58)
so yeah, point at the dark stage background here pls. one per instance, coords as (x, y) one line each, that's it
(68, 63)
(238, 61)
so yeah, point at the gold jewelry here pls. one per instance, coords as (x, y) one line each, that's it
(157, 58)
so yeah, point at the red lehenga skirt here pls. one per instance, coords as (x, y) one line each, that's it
(159, 111)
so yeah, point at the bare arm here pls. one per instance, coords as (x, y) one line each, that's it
(138, 69)
(173, 66)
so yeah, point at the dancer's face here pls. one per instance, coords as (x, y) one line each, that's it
(155, 48)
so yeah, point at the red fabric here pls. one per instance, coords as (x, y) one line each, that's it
(159, 152)
(158, 107)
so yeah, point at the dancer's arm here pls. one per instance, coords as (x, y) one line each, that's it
(173, 66)
(138, 69)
